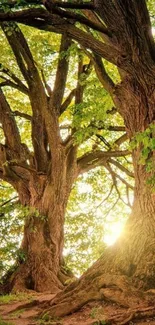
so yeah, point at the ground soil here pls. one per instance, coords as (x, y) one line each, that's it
(26, 313)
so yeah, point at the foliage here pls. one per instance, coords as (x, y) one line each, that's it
(11, 225)
(146, 141)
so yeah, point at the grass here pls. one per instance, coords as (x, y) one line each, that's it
(46, 319)
(6, 299)
(98, 314)
(17, 313)
(2, 322)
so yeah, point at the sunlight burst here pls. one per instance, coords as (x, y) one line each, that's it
(113, 232)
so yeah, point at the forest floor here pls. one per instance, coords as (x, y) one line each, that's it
(24, 310)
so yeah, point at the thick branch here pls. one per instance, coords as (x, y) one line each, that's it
(24, 115)
(43, 20)
(61, 74)
(67, 101)
(20, 49)
(102, 75)
(9, 83)
(121, 140)
(10, 128)
(76, 17)
(39, 103)
(79, 87)
(97, 158)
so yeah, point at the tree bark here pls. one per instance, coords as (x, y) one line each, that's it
(40, 265)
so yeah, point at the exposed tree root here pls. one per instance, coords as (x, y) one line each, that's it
(134, 314)
(108, 287)
(134, 304)
(112, 288)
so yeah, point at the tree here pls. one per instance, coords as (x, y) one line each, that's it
(120, 32)
(43, 170)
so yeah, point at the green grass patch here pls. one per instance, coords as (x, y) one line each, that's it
(46, 319)
(17, 313)
(6, 299)
(2, 322)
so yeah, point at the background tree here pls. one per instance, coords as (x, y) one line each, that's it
(43, 166)
(120, 32)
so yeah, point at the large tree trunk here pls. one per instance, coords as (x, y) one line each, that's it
(40, 266)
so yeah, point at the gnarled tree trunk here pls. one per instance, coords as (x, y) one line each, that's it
(41, 266)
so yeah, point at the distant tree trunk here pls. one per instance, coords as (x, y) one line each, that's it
(40, 264)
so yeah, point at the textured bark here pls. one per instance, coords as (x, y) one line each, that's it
(40, 266)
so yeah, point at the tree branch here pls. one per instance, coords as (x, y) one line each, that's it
(9, 125)
(41, 19)
(9, 83)
(52, 7)
(121, 140)
(71, 5)
(61, 74)
(24, 115)
(8, 201)
(97, 158)
(79, 87)
(39, 104)
(20, 49)
(115, 128)
(18, 84)
(75, 5)
(67, 101)
(102, 75)
(47, 87)
(121, 167)
(115, 175)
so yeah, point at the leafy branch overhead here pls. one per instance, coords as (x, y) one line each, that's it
(42, 120)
